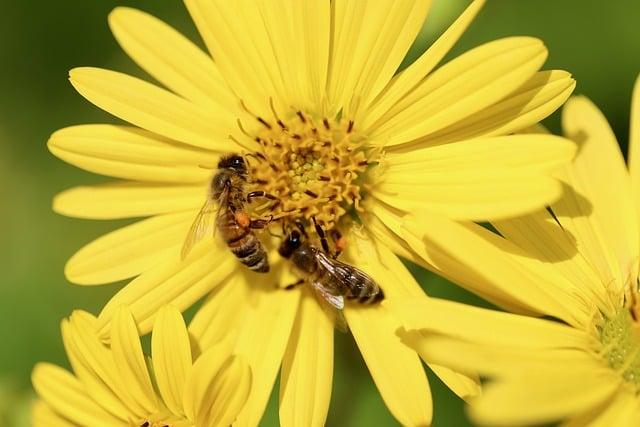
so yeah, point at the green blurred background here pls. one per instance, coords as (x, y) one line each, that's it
(40, 41)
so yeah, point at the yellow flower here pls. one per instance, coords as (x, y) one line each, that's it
(308, 93)
(118, 386)
(576, 262)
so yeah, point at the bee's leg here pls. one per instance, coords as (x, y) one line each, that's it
(340, 242)
(294, 285)
(323, 238)
(257, 224)
(260, 193)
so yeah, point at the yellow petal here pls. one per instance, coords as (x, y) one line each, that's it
(403, 82)
(236, 35)
(491, 266)
(464, 386)
(622, 411)
(129, 251)
(540, 96)
(539, 397)
(307, 367)
(65, 395)
(369, 41)
(43, 416)
(131, 153)
(460, 88)
(177, 282)
(128, 199)
(461, 182)
(634, 141)
(200, 378)
(607, 237)
(128, 357)
(262, 340)
(227, 394)
(171, 355)
(396, 369)
(220, 315)
(171, 58)
(151, 108)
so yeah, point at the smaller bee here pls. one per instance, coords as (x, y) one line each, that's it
(232, 221)
(332, 279)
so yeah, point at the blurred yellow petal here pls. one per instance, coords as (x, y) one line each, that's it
(403, 82)
(467, 84)
(65, 395)
(43, 416)
(369, 40)
(127, 200)
(226, 395)
(503, 270)
(131, 153)
(130, 250)
(463, 385)
(540, 96)
(522, 402)
(151, 108)
(396, 369)
(483, 326)
(622, 411)
(128, 357)
(200, 377)
(171, 58)
(307, 367)
(609, 237)
(176, 282)
(171, 355)
(221, 313)
(262, 340)
(634, 142)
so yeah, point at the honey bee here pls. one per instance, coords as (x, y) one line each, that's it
(331, 279)
(232, 221)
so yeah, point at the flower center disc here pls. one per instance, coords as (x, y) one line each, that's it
(314, 168)
(620, 339)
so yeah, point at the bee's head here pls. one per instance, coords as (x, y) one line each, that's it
(234, 162)
(290, 244)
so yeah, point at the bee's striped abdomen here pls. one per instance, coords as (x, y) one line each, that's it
(243, 243)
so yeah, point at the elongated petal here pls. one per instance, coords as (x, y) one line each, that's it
(262, 340)
(395, 368)
(486, 327)
(171, 355)
(151, 108)
(502, 270)
(177, 282)
(128, 200)
(409, 78)
(369, 41)
(43, 416)
(622, 411)
(172, 59)
(221, 313)
(530, 399)
(238, 39)
(128, 356)
(477, 179)
(489, 72)
(95, 367)
(540, 96)
(200, 378)
(607, 237)
(129, 251)
(131, 153)
(307, 367)
(227, 394)
(65, 395)
(634, 141)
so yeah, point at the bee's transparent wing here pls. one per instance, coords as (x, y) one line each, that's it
(332, 304)
(201, 225)
(348, 276)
